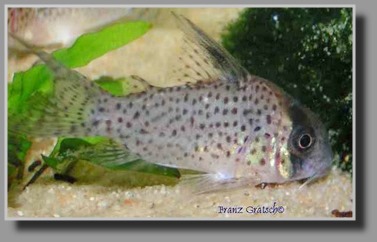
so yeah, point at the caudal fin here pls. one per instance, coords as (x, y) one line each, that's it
(67, 112)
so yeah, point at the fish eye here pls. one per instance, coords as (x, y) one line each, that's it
(305, 141)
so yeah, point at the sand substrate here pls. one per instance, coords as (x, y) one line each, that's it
(54, 199)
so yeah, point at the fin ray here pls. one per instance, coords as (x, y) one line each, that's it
(108, 155)
(203, 59)
(65, 113)
(209, 182)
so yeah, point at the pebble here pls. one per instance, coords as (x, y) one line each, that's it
(177, 190)
(103, 204)
(163, 190)
(129, 194)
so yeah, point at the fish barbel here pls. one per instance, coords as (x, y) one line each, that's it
(235, 127)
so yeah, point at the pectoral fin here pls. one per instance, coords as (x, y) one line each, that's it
(118, 157)
(109, 155)
(207, 183)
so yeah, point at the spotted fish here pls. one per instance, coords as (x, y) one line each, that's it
(236, 128)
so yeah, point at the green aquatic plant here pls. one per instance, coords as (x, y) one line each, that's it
(117, 87)
(37, 83)
(68, 151)
(307, 52)
(17, 150)
(38, 80)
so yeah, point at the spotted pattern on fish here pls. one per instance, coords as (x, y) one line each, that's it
(237, 128)
(202, 127)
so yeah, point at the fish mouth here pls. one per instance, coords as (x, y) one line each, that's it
(323, 171)
(320, 167)
(308, 171)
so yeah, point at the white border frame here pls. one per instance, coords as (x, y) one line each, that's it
(5, 95)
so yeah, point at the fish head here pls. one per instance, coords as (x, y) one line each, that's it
(308, 146)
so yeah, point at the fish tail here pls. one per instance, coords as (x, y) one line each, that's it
(67, 112)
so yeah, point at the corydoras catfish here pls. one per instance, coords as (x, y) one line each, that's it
(236, 128)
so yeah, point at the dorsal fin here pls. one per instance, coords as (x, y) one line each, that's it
(143, 82)
(203, 59)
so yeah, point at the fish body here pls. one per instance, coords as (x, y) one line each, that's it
(212, 127)
(235, 127)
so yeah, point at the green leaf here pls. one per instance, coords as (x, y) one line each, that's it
(73, 144)
(93, 45)
(51, 161)
(95, 139)
(117, 87)
(12, 170)
(17, 149)
(27, 85)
